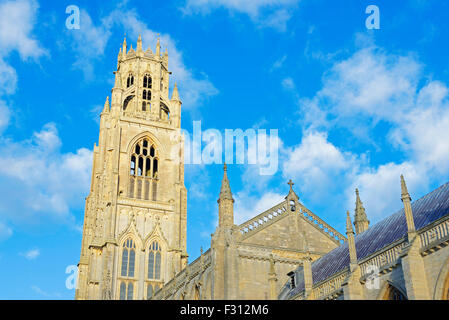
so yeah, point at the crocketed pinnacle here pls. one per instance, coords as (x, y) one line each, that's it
(175, 95)
(225, 191)
(106, 105)
(360, 214)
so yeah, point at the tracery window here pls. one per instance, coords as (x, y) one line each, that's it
(126, 290)
(128, 258)
(154, 266)
(154, 261)
(130, 81)
(144, 165)
(127, 270)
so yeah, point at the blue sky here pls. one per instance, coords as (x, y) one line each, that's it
(354, 108)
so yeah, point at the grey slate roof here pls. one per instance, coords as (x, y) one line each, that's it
(426, 210)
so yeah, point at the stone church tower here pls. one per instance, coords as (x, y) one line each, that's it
(134, 235)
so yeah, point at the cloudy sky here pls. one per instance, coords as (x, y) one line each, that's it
(353, 108)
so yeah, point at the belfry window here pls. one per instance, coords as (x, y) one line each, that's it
(144, 165)
(146, 97)
(130, 81)
(147, 81)
(146, 93)
(128, 258)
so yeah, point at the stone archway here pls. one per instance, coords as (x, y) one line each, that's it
(390, 292)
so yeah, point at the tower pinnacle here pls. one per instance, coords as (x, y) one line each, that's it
(361, 221)
(175, 95)
(225, 191)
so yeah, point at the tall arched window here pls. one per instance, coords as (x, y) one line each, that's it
(130, 81)
(154, 261)
(146, 93)
(144, 166)
(128, 258)
(126, 291)
(147, 81)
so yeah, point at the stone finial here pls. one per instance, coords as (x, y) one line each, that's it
(291, 193)
(139, 44)
(175, 94)
(106, 105)
(348, 224)
(351, 241)
(361, 221)
(404, 190)
(158, 47)
(406, 200)
(291, 184)
(225, 191)
(124, 47)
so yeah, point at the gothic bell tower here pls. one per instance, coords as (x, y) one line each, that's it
(134, 234)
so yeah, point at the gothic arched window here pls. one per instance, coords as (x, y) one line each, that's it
(146, 93)
(144, 166)
(147, 81)
(146, 97)
(130, 81)
(154, 261)
(128, 258)
(126, 291)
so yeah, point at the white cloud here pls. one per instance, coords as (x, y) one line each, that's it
(369, 87)
(37, 180)
(249, 205)
(288, 84)
(265, 13)
(8, 78)
(4, 115)
(17, 19)
(278, 63)
(30, 254)
(5, 231)
(313, 157)
(89, 43)
(45, 293)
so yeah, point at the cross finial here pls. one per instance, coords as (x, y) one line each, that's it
(201, 250)
(225, 167)
(290, 183)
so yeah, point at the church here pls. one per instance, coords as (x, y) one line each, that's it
(134, 234)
